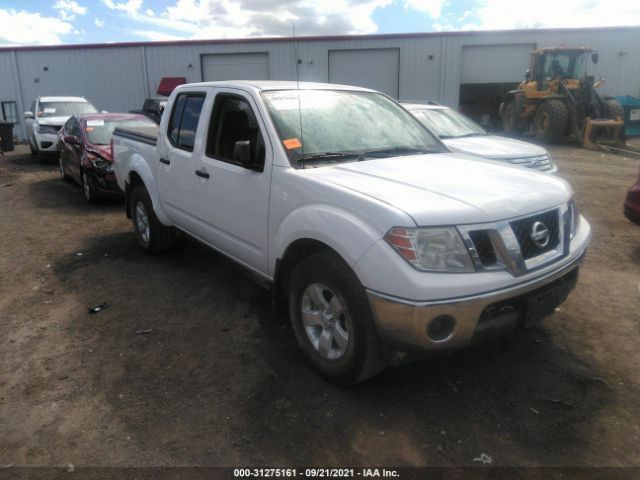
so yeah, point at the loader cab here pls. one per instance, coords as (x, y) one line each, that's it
(550, 65)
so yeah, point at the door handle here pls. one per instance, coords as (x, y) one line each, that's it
(165, 161)
(202, 173)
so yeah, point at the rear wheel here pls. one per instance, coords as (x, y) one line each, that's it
(332, 320)
(551, 121)
(615, 109)
(152, 236)
(509, 119)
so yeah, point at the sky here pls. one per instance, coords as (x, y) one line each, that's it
(51, 22)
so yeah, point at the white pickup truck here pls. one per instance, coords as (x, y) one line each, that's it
(377, 238)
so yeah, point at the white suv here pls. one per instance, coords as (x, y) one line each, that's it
(46, 118)
(462, 135)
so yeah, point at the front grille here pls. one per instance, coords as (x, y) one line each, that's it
(523, 230)
(540, 162)
(484, 247)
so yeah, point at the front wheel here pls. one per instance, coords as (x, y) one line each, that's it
(88, 187)
(551, 121)
(332, 320)
(152, 236)
(63, 174)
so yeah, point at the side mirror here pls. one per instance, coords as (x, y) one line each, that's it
(71, 139)
(242, 153)
(594, 57)
(29, 115)
(104, 111)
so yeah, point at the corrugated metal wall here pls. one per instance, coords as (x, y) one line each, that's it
(119, 78)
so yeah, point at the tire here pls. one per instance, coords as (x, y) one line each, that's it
(89, 188)
(614, 109)
(551, 121)
(332, 320)
(152, 236)
(508, 119)
(63, 174)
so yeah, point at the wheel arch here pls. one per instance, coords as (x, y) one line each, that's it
(140, 174)
(295, 252)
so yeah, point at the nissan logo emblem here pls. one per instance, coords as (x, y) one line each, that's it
(540, 234)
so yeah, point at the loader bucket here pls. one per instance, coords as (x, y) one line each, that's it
(603, 132)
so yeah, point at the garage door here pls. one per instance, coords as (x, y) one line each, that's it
(376, 68)
(235, 66)
(495, 63)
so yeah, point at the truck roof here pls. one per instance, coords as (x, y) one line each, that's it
(265, 85)
(63, 99)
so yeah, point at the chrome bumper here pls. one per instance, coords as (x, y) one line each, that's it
(403, 323)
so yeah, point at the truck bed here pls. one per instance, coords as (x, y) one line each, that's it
(148, 135)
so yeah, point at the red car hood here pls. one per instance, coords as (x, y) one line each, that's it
(103, 150)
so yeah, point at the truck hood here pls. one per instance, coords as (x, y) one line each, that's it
(447, 188)
(493, 146)
(57, 121)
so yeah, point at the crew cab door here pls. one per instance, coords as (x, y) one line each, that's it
(232, 198)
(177, 158)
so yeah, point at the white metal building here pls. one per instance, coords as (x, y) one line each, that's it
(467, 69)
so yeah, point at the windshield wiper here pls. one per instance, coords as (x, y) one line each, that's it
(393, 151)
(328, 156)
(470, 135)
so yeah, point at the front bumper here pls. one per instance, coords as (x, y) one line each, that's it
(46, 142)
(104, 181)
(404, 324)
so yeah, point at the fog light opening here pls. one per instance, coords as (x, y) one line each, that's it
(440, 328)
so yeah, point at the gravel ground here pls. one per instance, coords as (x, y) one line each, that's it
(188, 365)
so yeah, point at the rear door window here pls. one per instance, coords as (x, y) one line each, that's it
(183, 124)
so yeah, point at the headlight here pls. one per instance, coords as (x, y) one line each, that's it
(47, 129)
(574, 217)
(431, 249)
(100, 163)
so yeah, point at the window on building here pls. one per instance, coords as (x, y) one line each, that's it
(10, 112)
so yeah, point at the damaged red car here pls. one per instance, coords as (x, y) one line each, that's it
(84, 147)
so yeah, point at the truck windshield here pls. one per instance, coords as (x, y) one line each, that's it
(65, 109)
(343, 125)
(447, 123)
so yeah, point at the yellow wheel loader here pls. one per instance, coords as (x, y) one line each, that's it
(558, 99)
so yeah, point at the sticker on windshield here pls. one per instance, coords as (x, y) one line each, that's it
(291, 143)
(88, 129)
(285, 103)
(95, 123)
(49, 110)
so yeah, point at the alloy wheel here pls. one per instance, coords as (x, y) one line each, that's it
(325, 321)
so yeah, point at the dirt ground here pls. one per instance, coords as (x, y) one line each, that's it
(217, 379)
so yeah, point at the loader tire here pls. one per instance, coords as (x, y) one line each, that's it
(551, 121)
(509, 119)
(614, 109)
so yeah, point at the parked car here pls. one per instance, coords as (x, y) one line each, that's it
(463, 135)
(632, 202)
(84, 146)
(152, 108)
(46, 117)
(376, 237)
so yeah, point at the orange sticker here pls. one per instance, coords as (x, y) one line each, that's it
(291, 143)
(88, 129)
